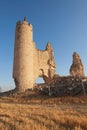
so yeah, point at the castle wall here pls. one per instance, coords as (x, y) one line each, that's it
(40, 62)
(23, 56)
(35, 64)
(28, 61)
(43, 58)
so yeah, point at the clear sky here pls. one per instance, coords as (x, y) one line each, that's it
(62, 22)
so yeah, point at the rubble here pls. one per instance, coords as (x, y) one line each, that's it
(64, 86)
(72, 85)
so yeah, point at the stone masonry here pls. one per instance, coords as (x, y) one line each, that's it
(29, 62)
(77, 68)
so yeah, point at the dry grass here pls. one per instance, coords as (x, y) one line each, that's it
(35, 98)
(15, 115)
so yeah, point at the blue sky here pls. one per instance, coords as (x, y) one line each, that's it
(62, 22)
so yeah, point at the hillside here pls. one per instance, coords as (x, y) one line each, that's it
(30, 111)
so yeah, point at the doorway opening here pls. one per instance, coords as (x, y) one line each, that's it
(39, 80)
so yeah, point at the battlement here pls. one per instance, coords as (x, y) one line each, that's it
(24, 22)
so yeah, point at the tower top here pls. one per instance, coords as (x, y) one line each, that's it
(25, 19)
(25, 22)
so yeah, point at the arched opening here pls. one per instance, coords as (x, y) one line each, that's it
(39, 80)
(39, 83)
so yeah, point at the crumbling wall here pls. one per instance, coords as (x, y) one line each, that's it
(64, 86)
(29, 62)
(77, 67)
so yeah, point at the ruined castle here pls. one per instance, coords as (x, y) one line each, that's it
(29, 62)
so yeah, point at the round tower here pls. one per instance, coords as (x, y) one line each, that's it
(23, 56)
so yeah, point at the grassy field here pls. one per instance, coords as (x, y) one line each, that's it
(36, 113)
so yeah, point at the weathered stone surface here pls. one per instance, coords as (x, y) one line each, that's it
(77, 67)
(64, 86)
(29, 62)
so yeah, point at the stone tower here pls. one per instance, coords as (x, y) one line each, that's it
(77, 67)
(29, 62)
